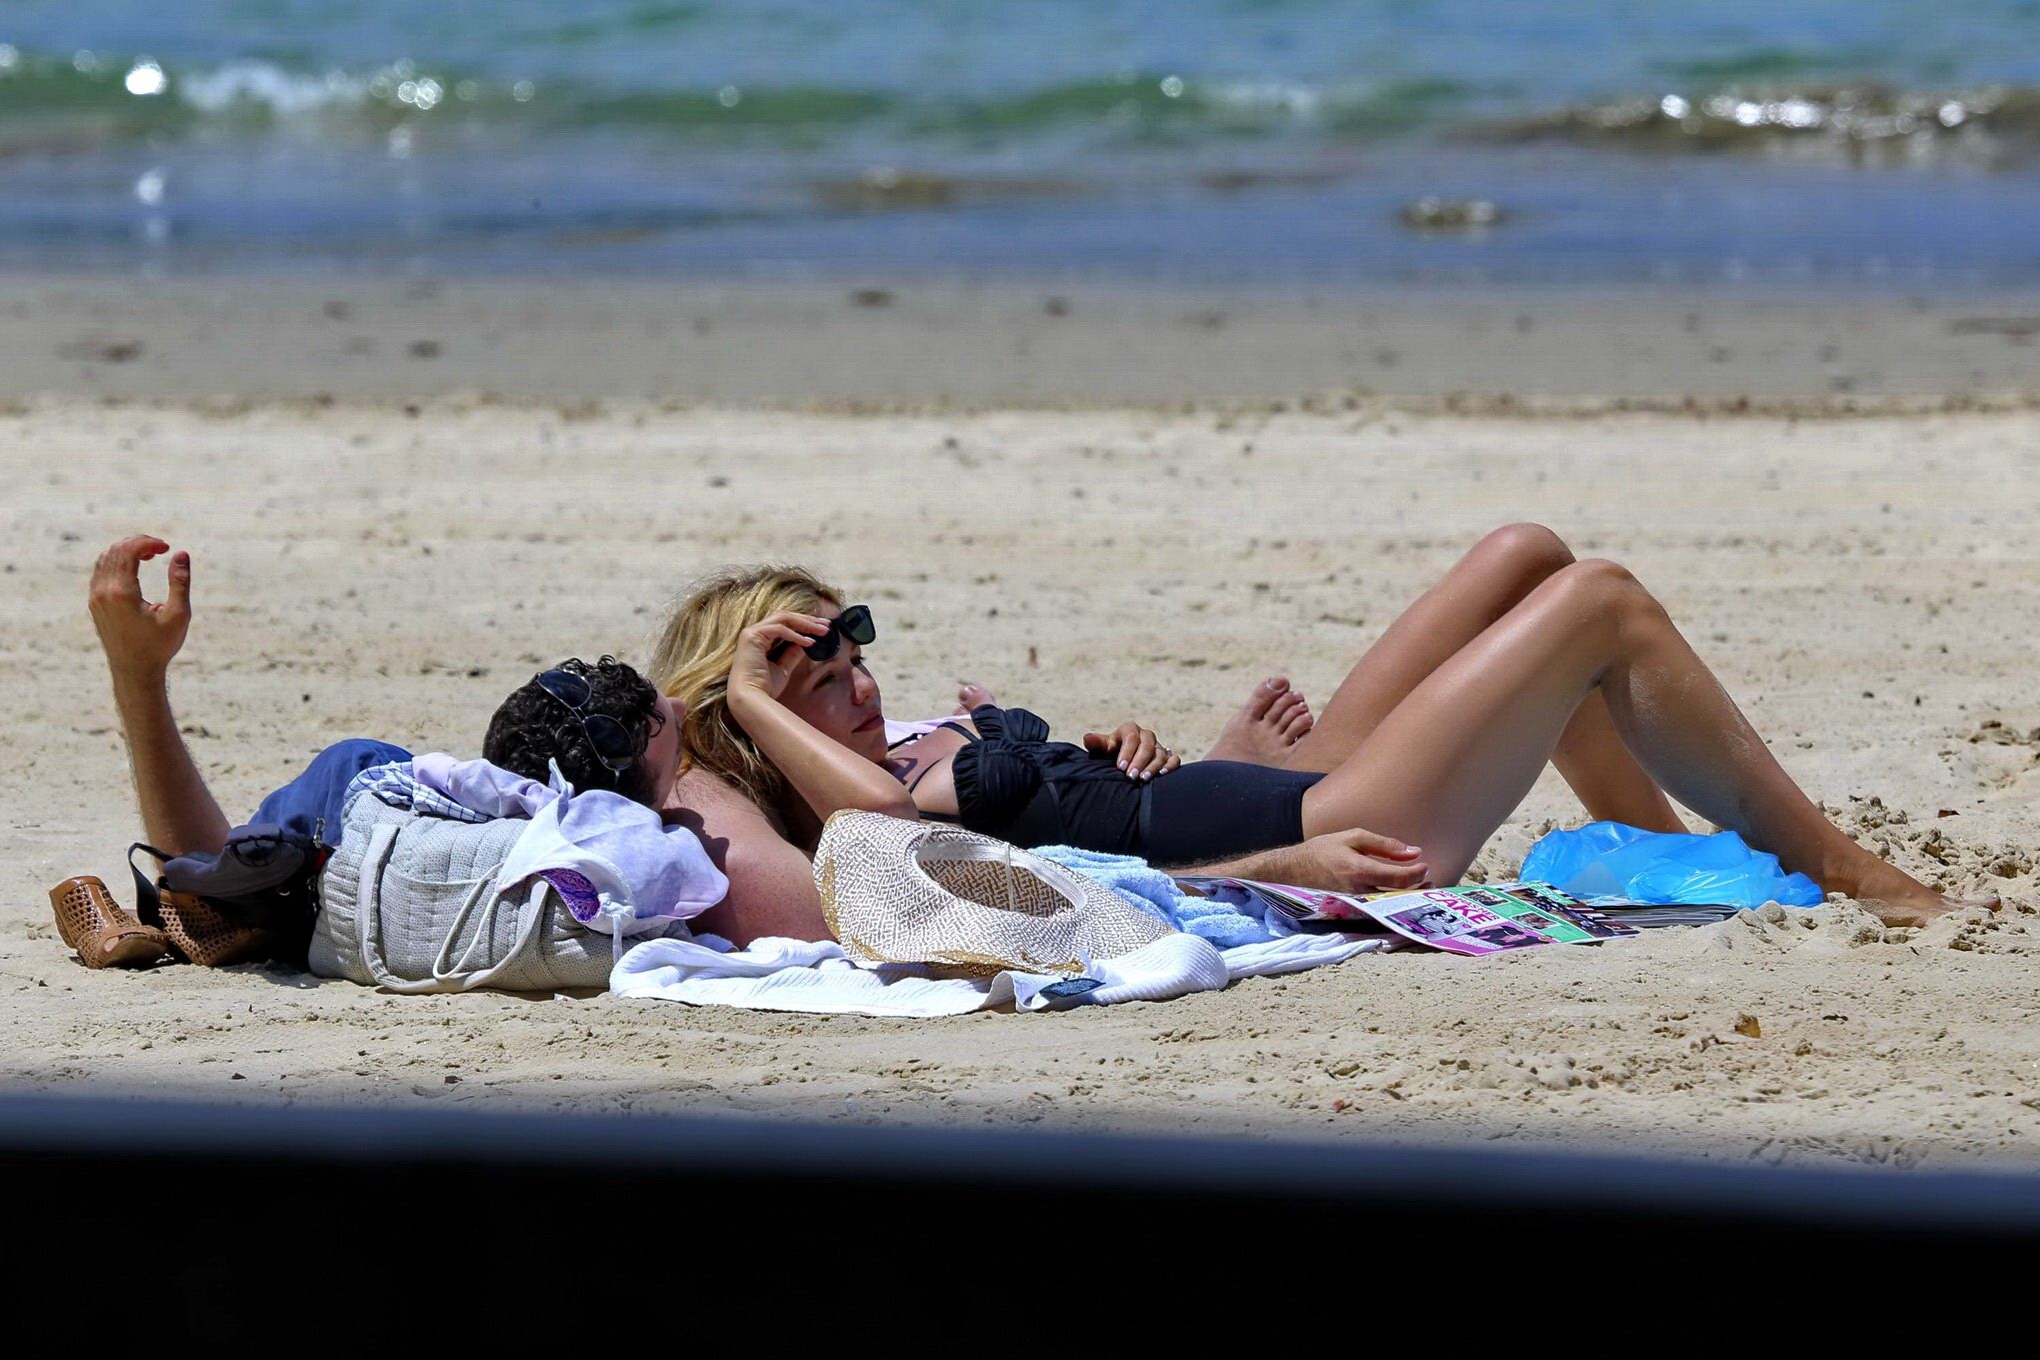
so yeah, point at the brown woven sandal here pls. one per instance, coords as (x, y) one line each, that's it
(202, 933)
(91, 922)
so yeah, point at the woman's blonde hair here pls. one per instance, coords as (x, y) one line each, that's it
(692, 664)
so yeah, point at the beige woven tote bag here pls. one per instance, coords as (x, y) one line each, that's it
(411, 903)
(896, 891)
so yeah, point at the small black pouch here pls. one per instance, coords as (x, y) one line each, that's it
(265, 876)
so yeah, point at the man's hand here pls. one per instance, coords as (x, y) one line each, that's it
(1357, 861)
(139, 637)
(1340, 861)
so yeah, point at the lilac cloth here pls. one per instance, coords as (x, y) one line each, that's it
(899, 730)
(584, 904)
(481, 787)
(643, 872)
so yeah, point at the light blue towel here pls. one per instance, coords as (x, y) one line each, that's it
(1155, 893)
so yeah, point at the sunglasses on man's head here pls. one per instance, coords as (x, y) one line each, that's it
(853, 623)
(613, 744)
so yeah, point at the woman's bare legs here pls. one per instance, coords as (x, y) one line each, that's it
(1493, 578)
(1453, 759)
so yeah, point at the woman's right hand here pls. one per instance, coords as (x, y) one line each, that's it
(753, 671)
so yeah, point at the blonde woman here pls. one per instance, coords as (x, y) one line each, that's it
(1520, 656)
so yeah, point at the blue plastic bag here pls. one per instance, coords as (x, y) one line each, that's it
(1609, 859)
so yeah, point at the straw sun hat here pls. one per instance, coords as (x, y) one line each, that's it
(896, 891)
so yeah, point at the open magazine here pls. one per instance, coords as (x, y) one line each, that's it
(1473, 918)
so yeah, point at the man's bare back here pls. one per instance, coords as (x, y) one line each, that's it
(772, 884)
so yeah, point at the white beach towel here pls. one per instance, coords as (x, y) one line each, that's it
(804, 975)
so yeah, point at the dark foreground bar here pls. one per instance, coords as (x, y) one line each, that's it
(249, 1217)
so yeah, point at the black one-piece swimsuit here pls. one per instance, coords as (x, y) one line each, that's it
(1012, 782)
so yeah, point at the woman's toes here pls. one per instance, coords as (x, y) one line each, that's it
(1254, 732)
(973, 696)
(1266, 696)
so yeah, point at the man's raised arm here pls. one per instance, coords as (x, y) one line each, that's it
(179, 813)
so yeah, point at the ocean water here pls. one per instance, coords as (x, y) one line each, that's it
(1824, 143)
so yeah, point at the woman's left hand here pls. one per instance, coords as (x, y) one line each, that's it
(1139, 751)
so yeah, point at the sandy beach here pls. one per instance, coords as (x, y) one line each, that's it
(385, 549)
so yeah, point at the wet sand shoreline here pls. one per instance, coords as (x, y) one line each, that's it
(882, 342)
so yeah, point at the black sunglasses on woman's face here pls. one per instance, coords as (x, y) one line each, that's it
(853, 623)
(613, 744)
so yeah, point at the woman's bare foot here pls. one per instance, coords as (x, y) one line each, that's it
(1267, 725)
(972, 696)
(1898, 899)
